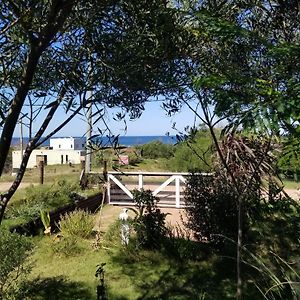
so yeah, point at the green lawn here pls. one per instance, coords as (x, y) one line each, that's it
(129, 274)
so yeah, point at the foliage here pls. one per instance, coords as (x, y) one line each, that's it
(78, 223)
(238, 61)
(134, 158)
(156, 149)
(288, 162)
(45, 218)
(14, 252)
(211, 207)
(38, 198)
(270, 222)
(277, 224)
(149, 221)
(212, 201)
(193, 152)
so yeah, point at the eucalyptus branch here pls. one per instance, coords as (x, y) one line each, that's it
(58, 128)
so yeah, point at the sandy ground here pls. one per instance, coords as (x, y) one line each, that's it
(293, 193)
(4, 186)
(111, 213)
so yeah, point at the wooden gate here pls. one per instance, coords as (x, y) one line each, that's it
(168, 187)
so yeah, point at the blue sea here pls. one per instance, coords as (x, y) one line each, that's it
(123, 140)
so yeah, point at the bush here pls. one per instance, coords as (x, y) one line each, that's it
(39, 198)
(157, 149)
(78, 223)
(149, 222)
(134, 158)
(14, 251)
(211, 207)
(194, 151)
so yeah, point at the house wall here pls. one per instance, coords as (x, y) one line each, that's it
(62, 143)
(54, 157)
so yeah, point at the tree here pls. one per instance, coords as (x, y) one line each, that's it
(244, 67)
(54, 52)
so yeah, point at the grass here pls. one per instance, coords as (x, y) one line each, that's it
(140, 275)
(290, 184)
(130, 273)
(181, 270)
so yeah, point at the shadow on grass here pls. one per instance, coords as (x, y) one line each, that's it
(53, 288)
(157, 276)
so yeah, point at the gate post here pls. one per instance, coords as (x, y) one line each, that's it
(177, 192)
(141, 181)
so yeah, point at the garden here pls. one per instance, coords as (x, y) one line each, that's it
(82, 255)
(234, 65)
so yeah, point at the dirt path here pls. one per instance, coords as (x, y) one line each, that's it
(111, 213)
(293, 193)
(4, 186)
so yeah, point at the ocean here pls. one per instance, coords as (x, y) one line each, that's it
(123, 140)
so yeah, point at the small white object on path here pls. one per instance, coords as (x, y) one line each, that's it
(124, 226)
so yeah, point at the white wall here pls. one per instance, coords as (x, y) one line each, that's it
(54, 157)
(62, 143)
(66, 144)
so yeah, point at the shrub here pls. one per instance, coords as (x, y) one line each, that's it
(14, 251)
(157, 149)
(134, 158)
(149, 222)
(194, 151)
(39, 198)
(78, 223)
(211, 207)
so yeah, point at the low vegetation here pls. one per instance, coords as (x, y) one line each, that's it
(40, 198)
(14, 252)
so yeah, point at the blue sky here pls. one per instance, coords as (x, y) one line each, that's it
(154, 121)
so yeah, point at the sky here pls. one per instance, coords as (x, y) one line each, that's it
(154, 121)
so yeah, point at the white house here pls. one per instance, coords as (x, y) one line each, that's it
(62, 151)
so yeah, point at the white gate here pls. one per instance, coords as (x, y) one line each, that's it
(168, 187)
